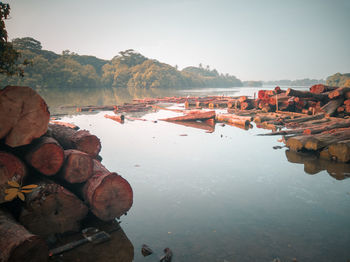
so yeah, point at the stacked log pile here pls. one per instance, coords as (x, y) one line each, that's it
(61, 164)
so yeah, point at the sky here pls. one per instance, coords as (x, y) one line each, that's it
(250, 39)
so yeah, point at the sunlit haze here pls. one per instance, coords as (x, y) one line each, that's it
(253, 40)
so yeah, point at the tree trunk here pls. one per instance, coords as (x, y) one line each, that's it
(331, 107)
(341, 91)
(17, 244)
(11, 169)
(23, 115)
(320, 88)
(77, 168)
(52, 209)
(226, 117)
(118, 118)
(81, 140)
(108, 194)
(45, 155)
(193, 117)
(306, 94)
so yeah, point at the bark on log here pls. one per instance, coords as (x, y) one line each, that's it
(64, 124)
(77, 168)
(320, 88)
(52, 209)
(45, 155)
(192, 117)
(11, 169)
(226, 117)
(306, 94)
(341, 91)
(331, 107)
(23, 115)
(108, 194)
(17, 244)
(71, 139)
(305, 119)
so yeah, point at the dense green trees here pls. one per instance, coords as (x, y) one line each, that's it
(9, 64)
(128, 69)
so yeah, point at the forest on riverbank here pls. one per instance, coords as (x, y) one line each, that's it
(48, 70)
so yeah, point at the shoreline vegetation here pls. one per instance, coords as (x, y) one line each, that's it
(129, 69)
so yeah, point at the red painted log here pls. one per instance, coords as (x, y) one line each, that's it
(17, 244)
(45, 155)
(23, 115)
(11, 169)
(71, 139)
(108, 194)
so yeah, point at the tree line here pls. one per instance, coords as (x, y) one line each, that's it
(129, 69)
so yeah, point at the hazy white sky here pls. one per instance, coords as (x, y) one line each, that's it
(251, 39)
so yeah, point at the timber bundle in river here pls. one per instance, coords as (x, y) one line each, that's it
(54, 170)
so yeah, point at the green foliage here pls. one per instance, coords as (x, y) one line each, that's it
(8, 55)
(338, 79)
(128, 69)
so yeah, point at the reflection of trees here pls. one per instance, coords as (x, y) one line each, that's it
(314, 165)
(56, 98)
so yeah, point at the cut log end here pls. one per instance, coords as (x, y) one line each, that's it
(78, 167)
(112, 198)
(89, 144)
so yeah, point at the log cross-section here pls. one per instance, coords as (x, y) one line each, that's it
(108, 194)
(24, 115)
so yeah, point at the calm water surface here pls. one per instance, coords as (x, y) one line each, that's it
(222, 196)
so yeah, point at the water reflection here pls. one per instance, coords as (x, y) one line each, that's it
(314, 165)
(222, 196)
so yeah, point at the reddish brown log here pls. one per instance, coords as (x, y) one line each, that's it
(52, 209)
(17, 244)
(341, 91)
(108, 194)
(119, 118)
(71, 139)
(23, 115)
(239, 122)
(320, 88)
(193, 117)
(226, 117)
(11, 169)
(45, 155)
(77, 168)
(306, 94)
(64, 124)
(331, 107)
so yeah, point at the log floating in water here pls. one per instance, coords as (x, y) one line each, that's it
(205, 115)
(52, 209)
(17, 244)
(118, 118)
(340, 150)
(108, 194)
(23, 115)
(45, 155)
(71, 139)
(11, 169)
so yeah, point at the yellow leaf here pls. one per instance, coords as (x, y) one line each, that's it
(13, 183)
(11, 190)
(21, 196)
(29, 186)
(27, 191)
(10, 196)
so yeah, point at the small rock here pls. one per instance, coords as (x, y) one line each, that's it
(146, 250)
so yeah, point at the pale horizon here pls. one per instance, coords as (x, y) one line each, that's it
(252, 40)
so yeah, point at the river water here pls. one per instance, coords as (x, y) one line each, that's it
(222, 196)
